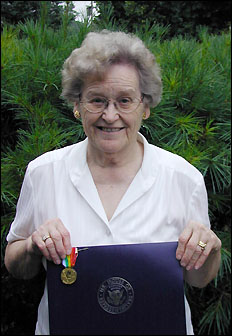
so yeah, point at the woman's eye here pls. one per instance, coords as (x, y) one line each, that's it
(125, 100)
(97, 100)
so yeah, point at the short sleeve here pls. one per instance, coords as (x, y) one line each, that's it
(198, 206)
(23, 225)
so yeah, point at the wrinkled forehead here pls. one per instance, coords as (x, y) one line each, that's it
(117, 79)
(109, 89)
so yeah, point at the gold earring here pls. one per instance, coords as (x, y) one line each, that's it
(144, 115)
(76, 114)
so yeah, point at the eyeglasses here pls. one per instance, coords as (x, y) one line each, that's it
(122, 104)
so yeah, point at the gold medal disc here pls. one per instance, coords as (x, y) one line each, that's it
(68, 276)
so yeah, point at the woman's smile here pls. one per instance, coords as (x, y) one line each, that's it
(110, 129)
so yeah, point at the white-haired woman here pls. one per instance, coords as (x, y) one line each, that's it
(114, 187)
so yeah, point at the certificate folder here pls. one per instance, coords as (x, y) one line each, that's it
(134, 289)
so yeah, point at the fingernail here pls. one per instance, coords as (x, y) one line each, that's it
(183, 264)
(57, 261)
(178, 257)
(188, 268)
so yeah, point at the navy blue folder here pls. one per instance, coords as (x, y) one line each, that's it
(134, 289)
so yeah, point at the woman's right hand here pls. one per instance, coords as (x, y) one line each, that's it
(57, 246)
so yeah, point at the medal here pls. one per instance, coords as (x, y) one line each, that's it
(68, 274)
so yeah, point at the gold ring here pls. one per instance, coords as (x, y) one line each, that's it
(202, 245)
(45, 237)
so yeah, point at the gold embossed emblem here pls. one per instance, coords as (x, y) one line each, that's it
(68, 276)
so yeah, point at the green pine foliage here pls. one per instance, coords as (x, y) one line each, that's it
(192, 120)
(183, 17)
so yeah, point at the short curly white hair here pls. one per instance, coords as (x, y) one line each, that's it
(101, 49)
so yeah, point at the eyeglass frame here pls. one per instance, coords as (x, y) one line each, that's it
(107, 101)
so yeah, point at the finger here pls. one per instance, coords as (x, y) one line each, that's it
(60, 245)
(39, 245)
(213, 244)
(51, 248)
(55, 245)
(191, 250)
(182, 242)
(195, 257)
(204, 255)
(65, 238)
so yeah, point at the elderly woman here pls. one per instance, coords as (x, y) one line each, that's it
(113, 187)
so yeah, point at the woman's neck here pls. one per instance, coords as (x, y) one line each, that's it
(131, 156)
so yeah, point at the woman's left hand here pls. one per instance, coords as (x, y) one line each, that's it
(189, 252)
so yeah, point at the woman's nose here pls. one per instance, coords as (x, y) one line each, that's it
(110, 113)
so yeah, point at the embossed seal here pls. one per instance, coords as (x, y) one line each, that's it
(115, 295)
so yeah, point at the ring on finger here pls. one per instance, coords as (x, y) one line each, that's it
(202, 245)
(45, 237)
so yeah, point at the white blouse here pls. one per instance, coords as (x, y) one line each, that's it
(166, 193)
